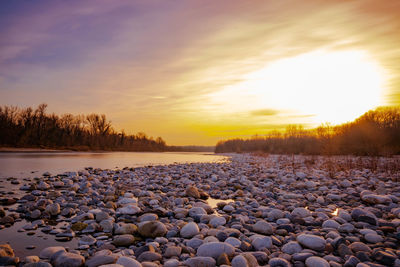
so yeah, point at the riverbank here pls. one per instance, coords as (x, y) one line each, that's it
(267, 211)
(31, 150)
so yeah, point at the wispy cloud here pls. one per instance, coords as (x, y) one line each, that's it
(146, 62)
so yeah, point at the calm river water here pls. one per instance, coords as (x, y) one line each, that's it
(34, 164)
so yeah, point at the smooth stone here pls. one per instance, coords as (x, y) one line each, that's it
(100, 259)
(192, 191)
(38, 264)
(217, 221)
(233, 241)
(50, 251)
(200, 261)
(125, 228)
(330, 224)
(214, 249)
(128, 262)
(263, 227)
(301, 212)
(358, 246)
(6, 251)
(149, 256)
(279, 262)
(291, 248)
(69, 259)
(316, 262)
(152, 229)
(262, 242)
(129, 210)
(312, 241)
(172, 263)
(373, 238)
(189, 230)
(173, 251)
(53, 209)
(123, 240)
(31, 259)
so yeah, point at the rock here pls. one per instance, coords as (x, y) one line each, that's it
(192, 191)
(100, 259)
(233, 241)
(123, 240)
(9, 261)
(35, 214)
(239, 261)
(149, 256)
(385, 258)
(125, 228)
(197, 211)
(316, 262)
(86, 240)
(214, 249)
(152, 229)
(173, 251)
(53, 209)
(244, 259)
(291, 248)
(312, 241)
(50, 251)
(189, 230)
(261, 242)
(373, 238)
(171, 263)
(330, 224)
(223, 259)
(358, 246)
(66, 259)
(31, 259)
(6, 251)
(129, 210)
(38, 264)
(7, 220)
(200, 262)
(128, 262)
(217, 221)
(43, 186)
(375, 199)
(279, 262)
(263, 227)
(301, 212)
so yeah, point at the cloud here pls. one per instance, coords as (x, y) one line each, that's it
(264, 112)
(113, 57)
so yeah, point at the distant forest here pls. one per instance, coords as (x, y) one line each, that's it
(29, 127)
(375, 133)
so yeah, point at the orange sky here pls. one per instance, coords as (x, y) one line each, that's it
(195, 72)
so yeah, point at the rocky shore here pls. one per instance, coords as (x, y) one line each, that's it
(272, 211)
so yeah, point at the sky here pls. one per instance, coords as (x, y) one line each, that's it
(196, 72)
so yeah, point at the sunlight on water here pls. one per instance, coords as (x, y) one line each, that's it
(335, 212)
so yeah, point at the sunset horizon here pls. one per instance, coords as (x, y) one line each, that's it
(196, 73)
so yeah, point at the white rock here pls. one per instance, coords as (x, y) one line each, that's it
(189, 230)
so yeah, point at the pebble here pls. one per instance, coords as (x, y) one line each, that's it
(189, 230)
(250, 211)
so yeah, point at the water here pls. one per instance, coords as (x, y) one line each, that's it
(29, 165)
(34, 164)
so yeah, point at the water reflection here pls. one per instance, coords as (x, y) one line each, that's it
(33, 164)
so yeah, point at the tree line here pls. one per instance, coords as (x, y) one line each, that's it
(377, 132)
(28, 127)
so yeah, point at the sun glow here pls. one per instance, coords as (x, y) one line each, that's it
(319, 86)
